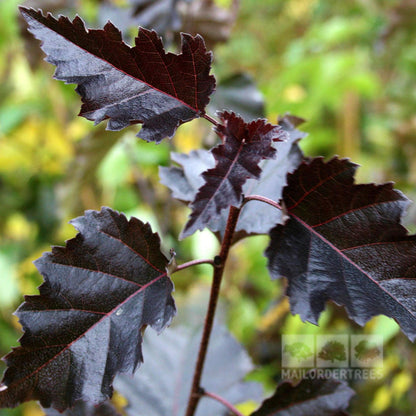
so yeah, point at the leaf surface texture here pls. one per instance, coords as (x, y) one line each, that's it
(256, 217)
(127, 85)
(99, 293)
(318, 397)
(344, 242)
(237, 159)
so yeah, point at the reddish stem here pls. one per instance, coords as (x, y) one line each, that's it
(262, 199)
(194, 263)
(209, 318)
(228, 405)
(211, 120)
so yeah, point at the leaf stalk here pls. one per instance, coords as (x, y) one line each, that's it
(220, 399)
(194, 263)
(262, 199)
(211, 120)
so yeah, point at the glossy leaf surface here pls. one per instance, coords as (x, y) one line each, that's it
(237, 159)
(127, 85)
(318, 397)
(86, 409)
(256, 217)
(99, 293)
(344, 242)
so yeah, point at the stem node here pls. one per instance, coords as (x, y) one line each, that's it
(217, 261)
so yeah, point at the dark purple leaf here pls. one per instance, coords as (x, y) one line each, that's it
(256, 217)
(142, 84)
(237, 159)
(344, 242)
(86, 409)
(317, 397)
(33, 53)
(99, 293)
(162, 386)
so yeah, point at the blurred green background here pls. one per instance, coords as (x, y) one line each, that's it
(348, 68)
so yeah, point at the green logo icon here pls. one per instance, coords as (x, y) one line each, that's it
(366, 351)
(333, 351)
(298, 350)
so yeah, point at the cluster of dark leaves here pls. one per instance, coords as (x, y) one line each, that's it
(334, 240)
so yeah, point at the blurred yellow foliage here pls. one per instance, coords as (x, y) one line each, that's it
(247, 408)
(382, 400)
(27, 274)
(298, 9)
(119, 401)
(402, 382)
(19, 228)
(294, 93)
(36, 146)
(274, 315)
(188, 137)
(32, 409)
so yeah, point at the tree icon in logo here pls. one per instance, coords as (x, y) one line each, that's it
(333, 350)
(366, 351)
(298, 350)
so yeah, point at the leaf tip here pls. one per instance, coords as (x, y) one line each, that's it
(189, 228)
(184, 233)
(25, 11)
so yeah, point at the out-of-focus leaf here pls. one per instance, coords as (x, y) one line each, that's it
(214, 23)
(185, 181)
(401, 16)
(160, 15)
(162, 385)
(317, 397)
(256, 217)
(142, 84)
(99, 292)
(169, 17)
(240, 93)
(86, 409)
(237, 159)
(344, 242)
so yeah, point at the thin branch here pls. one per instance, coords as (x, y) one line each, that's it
(228, 405)
(211, 120)
(194, 263)
(213, 300)
(262, 199)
